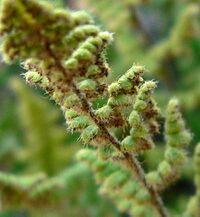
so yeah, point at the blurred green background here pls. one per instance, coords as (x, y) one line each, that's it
(163, 35)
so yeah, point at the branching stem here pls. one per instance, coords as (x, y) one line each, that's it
(131, 161)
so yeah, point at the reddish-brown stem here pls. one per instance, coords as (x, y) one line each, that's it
(131, 161)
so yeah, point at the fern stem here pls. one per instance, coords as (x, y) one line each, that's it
(130, 160)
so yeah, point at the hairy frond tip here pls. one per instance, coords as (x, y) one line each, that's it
(139, 69)
(72, 27)
(176, 133)
(177, 136)
(175, 156)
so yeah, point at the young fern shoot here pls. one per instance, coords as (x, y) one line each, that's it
(63, 53)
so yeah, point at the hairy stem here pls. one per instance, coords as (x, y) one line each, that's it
(130, 160)
(132, 163)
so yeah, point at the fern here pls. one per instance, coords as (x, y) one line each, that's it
(30, 189)
(160, 40)
(63, 52)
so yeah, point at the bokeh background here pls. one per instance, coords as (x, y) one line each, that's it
(163, 35)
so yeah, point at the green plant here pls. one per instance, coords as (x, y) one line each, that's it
(42, 131)
(63, 52)
(162, 35)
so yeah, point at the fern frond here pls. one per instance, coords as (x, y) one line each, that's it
(69, 64)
